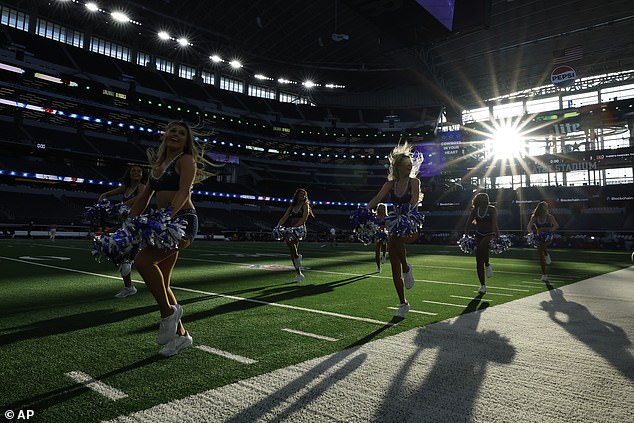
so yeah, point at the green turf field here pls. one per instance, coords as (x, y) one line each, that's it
(59, 315)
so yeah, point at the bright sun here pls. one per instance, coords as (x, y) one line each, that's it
(505, 143)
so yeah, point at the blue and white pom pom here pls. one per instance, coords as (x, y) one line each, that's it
(404, 220)
(364, 225)
(467, 244)
(361, 216)
(107, 210)
(366, 232)
(536, 240)
(500, 244)
(289, 233)
(102, 208)
(115, 247)
(154, 229)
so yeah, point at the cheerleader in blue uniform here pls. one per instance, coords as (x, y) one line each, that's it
(403, 188)
(133, 182)
(296, 214)
(176, 166)
(380, 242)
(543, 223)
(485, 218)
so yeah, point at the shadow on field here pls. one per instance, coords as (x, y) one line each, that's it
(461, 354)
(605, 338)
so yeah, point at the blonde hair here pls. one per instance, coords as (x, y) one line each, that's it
(400, 153)
(156, 156)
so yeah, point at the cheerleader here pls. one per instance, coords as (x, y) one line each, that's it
(380, 244)
(296, 214)
(132, 183)
(542, 222)
(485, 218)
(174, 170)
(403, 188)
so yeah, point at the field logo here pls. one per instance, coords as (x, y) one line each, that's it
(563, 76)
(271, 267)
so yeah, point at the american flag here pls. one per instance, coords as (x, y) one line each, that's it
(567, 55)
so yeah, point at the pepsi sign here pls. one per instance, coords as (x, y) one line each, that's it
(563, 76)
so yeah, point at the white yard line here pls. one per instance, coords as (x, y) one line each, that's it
(311, 335)
(417, 311)
(225, 354)
(447, 304)
(97, 386)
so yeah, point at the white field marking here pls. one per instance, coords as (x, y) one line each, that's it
(312, 335)
(447, 304)
(291, 307)
(233, 297)
(468, 298)
(99, 387)
(83, 272)
(225, 354)
(45, 258)
(524, 286)
(497, 293)
(417, 311)
(62, 247)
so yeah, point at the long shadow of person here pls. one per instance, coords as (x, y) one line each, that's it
(452, 384)
(606, 339)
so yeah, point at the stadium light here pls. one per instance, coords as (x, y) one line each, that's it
(235, 64)
(92, 7)
(308, 84)
(183, 42)
(120, 17)
(215, 58)
(163, 35)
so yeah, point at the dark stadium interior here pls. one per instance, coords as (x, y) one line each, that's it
(71, 112)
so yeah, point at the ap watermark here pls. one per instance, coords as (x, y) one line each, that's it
(19, 414)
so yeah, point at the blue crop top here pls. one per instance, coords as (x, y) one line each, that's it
(405, 198)
(169, 180)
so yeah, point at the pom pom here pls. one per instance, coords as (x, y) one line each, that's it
(467, 244)
(366, 232)
(500, 244)
(105, 209)
(154, 229)
(289, 233)
(361, 216)
(536, 240)
(404, 220)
